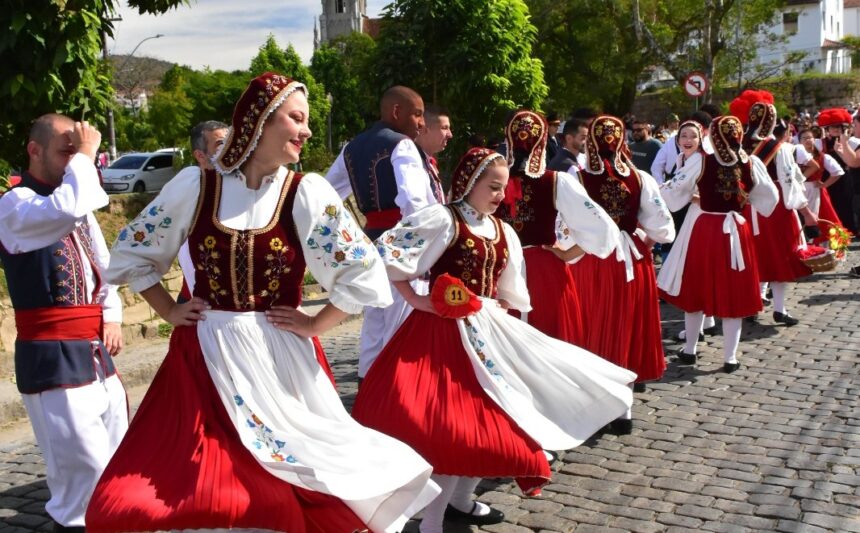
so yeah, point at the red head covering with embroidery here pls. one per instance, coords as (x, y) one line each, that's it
(835, 116)
(263, 96)
(740, 106)
(727, 134)
(468, 170)
(526, 135)
(606, 148)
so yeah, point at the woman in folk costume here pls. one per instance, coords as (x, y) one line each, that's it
(835, 124)
(818, 183)
(711, 269)
(242, 427)
(477, 392)
(534, 199)
(619, 294)
(777, 236)
(690, 135)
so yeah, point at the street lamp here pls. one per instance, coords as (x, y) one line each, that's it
(111, 128)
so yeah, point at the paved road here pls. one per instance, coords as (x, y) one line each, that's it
(772, 447)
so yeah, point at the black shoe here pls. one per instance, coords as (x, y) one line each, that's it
(68, 529)
(621, 426)
(493, 517)
(685, 358)
(709, 332)
(785, 318)
(768, 293)
(639, 387)
(854, 272)
(682, 336)
(553, 456)
(751, 319)
(728, 368)
(765, 302)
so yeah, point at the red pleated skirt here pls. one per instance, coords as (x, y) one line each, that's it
(709, 283)
(621, 318)
(555, 301)
(776, 245)
(422, 390)
(182, 466)
(826, 215)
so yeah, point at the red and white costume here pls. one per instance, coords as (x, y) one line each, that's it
(242, 427)
(535, 198)
(819, 197)
(619, 293)
(481, 396)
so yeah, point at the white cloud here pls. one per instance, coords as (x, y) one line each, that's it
(221, 34)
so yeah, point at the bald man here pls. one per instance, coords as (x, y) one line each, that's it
(68, 321)
(390, 179)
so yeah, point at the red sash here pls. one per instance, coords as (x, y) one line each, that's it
(383, 220)
(78, 322)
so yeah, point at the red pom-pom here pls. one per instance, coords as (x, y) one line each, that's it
(452, 299)
(835, 116)
(740, 106)
(810, 252)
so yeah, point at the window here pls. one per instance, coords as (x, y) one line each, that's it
(339, 6)
(162, 161)
(789, 23)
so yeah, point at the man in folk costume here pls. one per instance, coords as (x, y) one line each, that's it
(711, 269)
(835, 122)
(619, 293)
(434, 137)
(534, 199)
(68, 321)
(777, 236)
(390, 178)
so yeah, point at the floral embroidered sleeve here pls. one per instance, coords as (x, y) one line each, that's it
(338, 254)
(587, 223)
(414, 245)
(145, 249)
(654, 216)
(678, 191)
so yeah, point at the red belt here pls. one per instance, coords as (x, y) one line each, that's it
(78, 322)
(385, 219)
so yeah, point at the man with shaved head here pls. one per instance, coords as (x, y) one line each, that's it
(390, 179)
(68, 321)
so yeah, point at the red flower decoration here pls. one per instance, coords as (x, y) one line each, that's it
(810, 252)
(452, 299)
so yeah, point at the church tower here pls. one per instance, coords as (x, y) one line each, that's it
(341, 17)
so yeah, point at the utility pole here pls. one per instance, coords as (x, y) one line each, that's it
(110, 118)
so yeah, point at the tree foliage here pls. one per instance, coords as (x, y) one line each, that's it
(50, 62)
(472, 56)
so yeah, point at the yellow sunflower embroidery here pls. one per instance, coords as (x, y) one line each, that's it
(470, 243)
(209, 242)
(331, 210)
(274, 284)
(276, 244)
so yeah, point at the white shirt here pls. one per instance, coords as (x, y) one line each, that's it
(30, 222)
(414, 187)
(324, 227)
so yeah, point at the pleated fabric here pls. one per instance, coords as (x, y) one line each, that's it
(776, 245)
(709, 282)
(621, 318)
(554, 298)
(827, 214)
(182, 465)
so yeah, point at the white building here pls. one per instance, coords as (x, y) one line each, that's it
(816, 29)
(852, 17)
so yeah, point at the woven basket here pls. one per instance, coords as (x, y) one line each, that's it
(821, 263)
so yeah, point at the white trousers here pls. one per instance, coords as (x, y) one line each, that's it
(380, 324)
(77, 430)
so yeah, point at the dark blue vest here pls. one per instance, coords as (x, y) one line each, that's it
(51, 277)
(368, 162)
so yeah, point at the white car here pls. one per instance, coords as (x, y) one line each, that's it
(141, 172)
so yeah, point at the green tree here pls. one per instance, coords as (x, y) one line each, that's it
(287, 62)
(50, 61)
(472, 56)
(170, 110)
(342, 66)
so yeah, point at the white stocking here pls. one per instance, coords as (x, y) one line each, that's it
(763, 288)
(779, 289)
(731, 338)
(434, 513)
(709, 322)
(463, 496)
(692, 322)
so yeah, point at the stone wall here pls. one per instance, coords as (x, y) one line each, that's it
(801, 93)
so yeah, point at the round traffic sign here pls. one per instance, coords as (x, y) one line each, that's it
(695, 84)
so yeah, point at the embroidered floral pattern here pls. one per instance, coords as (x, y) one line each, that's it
(278, 262)
(614, 195)
(729, 182)
(143, 230)
(336, 238)
(264, 437)
(478, 344)
(525, 210)
(208, 263)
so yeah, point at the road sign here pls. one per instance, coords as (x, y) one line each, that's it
(695, 84)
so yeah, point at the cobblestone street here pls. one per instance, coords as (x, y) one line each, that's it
(772, 447)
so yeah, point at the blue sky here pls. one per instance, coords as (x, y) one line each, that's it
(221, 34)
